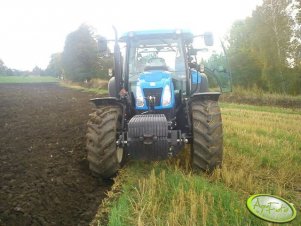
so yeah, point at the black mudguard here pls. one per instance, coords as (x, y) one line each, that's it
(106, 101)
(205, 96)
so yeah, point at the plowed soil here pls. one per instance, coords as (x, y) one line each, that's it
(44, 175)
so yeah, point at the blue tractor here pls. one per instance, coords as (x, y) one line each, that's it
(159, 100)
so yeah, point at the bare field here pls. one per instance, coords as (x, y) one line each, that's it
(44, 176)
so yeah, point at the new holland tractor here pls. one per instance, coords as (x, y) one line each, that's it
(159, 100)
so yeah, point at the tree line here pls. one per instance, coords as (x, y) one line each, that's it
(6, 71)
(80, 59)
(265, 49)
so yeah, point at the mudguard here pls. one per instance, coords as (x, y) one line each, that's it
(205, 96)
(106, 101)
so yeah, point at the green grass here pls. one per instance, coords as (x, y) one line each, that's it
(100, 91)
(27, 79)
(271, 109)
(165, 195)
(262, 147)
(256, 96)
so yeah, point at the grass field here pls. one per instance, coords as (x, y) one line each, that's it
(27, 79)
(258, 97)
(262, 147)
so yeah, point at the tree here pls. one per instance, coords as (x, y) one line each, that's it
(273, 31)
(105, 62)
(244, 60)
(36, 71)
(296, 41)
(55, 67)
(10, 72)
(3, 68)
(80, 55)
(261, 47)
(298, 7)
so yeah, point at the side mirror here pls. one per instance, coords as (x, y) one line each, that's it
(110, 72)
(194, 66)
(208, 38)
(102, 45)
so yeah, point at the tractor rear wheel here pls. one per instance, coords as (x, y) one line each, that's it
(103, 155)
(207, 147)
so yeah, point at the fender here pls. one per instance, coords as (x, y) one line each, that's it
(107, 101)
(205, 96)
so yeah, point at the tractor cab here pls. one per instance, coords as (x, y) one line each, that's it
(163, 66)
(153, 72)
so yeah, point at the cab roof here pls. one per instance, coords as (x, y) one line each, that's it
(166, 33)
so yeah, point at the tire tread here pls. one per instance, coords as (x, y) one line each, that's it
(101, 141)
(207, 148)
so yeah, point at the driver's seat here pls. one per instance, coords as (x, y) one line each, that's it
(156, 64)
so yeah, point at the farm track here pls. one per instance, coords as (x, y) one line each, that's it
(44, 175)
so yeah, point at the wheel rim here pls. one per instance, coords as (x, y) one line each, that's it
(119, 153)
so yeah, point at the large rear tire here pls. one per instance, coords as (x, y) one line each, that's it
(207, 148)
(103, 155)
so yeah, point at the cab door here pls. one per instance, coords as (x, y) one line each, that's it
(217, 67)
(213, 62)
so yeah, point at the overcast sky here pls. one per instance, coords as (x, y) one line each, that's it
(32, 30)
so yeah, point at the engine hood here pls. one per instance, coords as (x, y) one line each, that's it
(154, 76)
(153, 83)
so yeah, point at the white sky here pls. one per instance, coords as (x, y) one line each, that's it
(32, 30)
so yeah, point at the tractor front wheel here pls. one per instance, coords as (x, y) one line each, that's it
(207, 147)
(103, 155)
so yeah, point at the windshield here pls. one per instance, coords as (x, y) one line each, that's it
(156, 54)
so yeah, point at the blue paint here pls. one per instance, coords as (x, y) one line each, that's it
(196, 77)
(156, 79)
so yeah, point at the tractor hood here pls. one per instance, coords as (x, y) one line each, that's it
(153, 83)
(154, 76)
